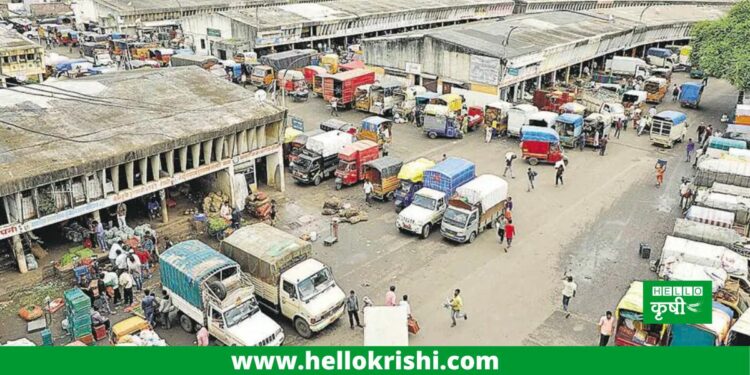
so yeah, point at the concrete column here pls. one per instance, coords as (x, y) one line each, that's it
(169, 155)
(242, 142)
(195, 152)
(164, 209)
(219, 148)
(231, 145)
(567, 74)
(274, 164)
(129, 175)
(114, 173)
(4, 85)
(97, 216)
(143, 166)
(516, 89)
(207, 150)
(18, 252)
(523, 89)
(554, 77)
(183, 158)
(580, 70)
(261, 136)
(155, 166)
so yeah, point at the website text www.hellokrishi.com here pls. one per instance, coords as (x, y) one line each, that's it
(344, 360)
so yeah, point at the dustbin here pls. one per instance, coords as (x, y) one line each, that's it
(644, 250)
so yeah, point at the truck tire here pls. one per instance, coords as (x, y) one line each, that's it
(472, 237)
(218, 289)
(533, 161)
(398, 209)
(316, 181)
(302, 328)
(432, 135)
(187, 324)
(425, 231)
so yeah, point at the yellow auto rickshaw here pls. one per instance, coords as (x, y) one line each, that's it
(630, 329)
(454, 102)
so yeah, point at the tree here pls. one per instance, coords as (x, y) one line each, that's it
(722, 47)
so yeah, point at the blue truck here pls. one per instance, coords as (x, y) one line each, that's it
(690, 94)
(209, 289)
(429, 203)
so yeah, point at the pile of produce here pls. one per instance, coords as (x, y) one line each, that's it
(78, 252)
(216, 224)
(258, 205)
(127, 234)
(212, 203)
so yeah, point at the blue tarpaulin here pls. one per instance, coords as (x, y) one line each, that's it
(534, 133)
(726, 143)
(449, 174)
(673, 116)
(690, 92)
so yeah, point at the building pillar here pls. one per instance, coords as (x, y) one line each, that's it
(129, 175)
(164, 209)
(580, 70)
(169, 156)
(207, 150)
(231, 145)
(183, 158)
(219, 148)
(242, 142)
(567, 74)
(143, 167)
(523, 89)
(97, 216)
(516, 88)
(274, 163)
(554, 77)
(155, 166)
(539, 82)
(114, 173)
(195, 151)
(18, 252)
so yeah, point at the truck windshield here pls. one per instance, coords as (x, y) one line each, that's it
(652, 87)
(302, 163)
(259, 72)
(567, 129)
(629, 98)
(313, 285)
(406, 185)
(455, 217)
(346, 166)
(424, 202)
(241, 312)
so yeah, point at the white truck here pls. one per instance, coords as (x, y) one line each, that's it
(543, 119)
(628, 66)
(682, 250)
(604, 103)
(386, 326)
(208, 288)
(518, 116)
(287, 280)
(712, 234)
(474, 208)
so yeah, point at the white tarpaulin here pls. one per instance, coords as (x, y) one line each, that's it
(683, 271)
(679, 249)
(726, 171)
(487, 189)
(329, 143)
(711, 216)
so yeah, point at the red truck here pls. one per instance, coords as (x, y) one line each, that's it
(352, 159)
(343, 85)
(551, 101)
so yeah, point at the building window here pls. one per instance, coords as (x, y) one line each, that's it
(5, 60)
(203, 44)
(30, 57)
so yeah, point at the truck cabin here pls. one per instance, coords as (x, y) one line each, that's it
(373, 129)
(665, 73)
(262, 74)
(633, 98)
(594, 123)
(299, 142)
(459, 214)
(307, 280)
(569, 125)
(653, 85)
(543, 119)
(306, 161)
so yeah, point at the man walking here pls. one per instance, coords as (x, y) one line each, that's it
(165, 307)
(559, 169)
(368, 191)
(606, 328)
(603, 145)
(126, 282)
(487, 134)
(568, 292)
(509, 157)
(689, 149)
(352, 307)
(334, 107)
(122, 211)
(532, 174)
(510, 232)
(675, 93)
(618, 128)
(684, 194)
(501, 228)
(100, 235)
(456, 304)
(148, 304)
(390, 296)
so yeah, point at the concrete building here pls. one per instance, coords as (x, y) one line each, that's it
(507, 57)
(336, 23)
(128, 16)
(107, 139)
(535, 6)
(20, 59)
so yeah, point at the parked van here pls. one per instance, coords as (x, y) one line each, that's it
(668, 127)
(518, 116)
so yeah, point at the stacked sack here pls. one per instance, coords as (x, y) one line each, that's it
(258, 205)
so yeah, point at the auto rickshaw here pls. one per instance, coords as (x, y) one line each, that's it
(596, 125)
(633, 100)
(497, 111)
(630, 329)
(362, 98)
(440, 121)
(383, 174)
(541, 145)
(129, 326)
(422, 99)
(262, 76)
(410, 181)
(373, 129)
(570, 128)
(289, 135)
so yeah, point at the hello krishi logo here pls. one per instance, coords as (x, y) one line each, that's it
(677, 302)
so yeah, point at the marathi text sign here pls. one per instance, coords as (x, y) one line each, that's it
(677, 302)
(484, 69)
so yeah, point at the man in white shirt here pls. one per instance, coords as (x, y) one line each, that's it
(117, 246)
(568, 292)
(405, 302)
(368, 191)
(509, 157)
(121, 262)
(652, 111)
(126, 282)
(606, 328)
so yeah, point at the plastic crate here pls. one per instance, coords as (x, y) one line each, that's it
(47, 337)
(86, 339)
(81, 331)
(79, 320)
(76, 301)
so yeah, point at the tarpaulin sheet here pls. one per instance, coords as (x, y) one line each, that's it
(449, 174)
(487, 189)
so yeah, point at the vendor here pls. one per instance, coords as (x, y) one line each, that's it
(225, 212)
(98, 319)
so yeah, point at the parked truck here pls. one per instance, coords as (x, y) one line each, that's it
(96, 53)
(319, 158)
(668, 127)
(343, 86)
(210, 289)
(352, 159)
(628, 67)
(430, 202)
(474, 208)
(410, 181)
(287, 280)
(682, 250)
(661, 57)
(713, 235)
(690, 94)
(518, 116)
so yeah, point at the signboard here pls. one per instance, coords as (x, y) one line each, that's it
(413, 68)
(213, 32)
(484, 69)
(512, 71)
(677, 302)
(298, 123)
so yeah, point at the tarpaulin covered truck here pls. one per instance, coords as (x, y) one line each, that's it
(440, 183)
(319, 158)
(343, 86)
(206, 287)
(476, 205)
(690, 94)
(712, 234)
(724, 171)
(287, 279)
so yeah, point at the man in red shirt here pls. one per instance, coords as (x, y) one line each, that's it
(510, 232)
(144, 257)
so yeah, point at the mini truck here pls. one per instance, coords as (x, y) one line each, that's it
(430, 202)
(474, 208)
(668, 127)
(210, 289)
(690, 94)
(287, 280)
(352, 159)
(319, 158)
(410, 181)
